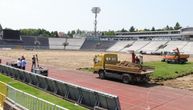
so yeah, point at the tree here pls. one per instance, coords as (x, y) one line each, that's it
(177, 26)
(109, 33)
(38, 32)
(132, 29)
(78, 31)
(146, 29)
(171, 28)
(167, 28)
(123, 30)
(71, 33)
(153, 29)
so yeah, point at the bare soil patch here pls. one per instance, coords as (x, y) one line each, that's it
(66, 59)
(185, 82)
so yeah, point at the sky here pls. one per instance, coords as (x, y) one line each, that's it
(65, 15)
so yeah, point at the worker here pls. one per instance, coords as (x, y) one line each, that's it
(19, 63)
(23, 63)
(33, 62)
(141, 59)
(133, 57)
(137, 61)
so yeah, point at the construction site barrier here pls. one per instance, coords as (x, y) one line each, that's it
(81, 95)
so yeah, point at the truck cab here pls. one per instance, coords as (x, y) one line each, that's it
(101, 59)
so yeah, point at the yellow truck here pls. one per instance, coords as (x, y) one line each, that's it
(108, 66)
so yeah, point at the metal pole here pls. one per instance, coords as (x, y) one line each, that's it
(95, 27)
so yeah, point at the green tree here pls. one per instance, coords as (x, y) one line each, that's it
(78, 31)
(171, 28)
(146, 29)
(177, 26)
(37, 32)
(153, 29)
(71, 33)
(109, 33)
(132, 29)
(123, 30)
(167, 28)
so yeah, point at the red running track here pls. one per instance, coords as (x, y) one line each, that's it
(132, 97)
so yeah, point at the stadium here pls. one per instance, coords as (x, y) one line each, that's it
(147, 42)
(68, 61)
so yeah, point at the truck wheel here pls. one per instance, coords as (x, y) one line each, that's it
(126, 79)
(101, 74)
(163, 60)
(144, 80)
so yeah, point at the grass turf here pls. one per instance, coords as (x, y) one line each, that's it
(38, 93)
(165, 71)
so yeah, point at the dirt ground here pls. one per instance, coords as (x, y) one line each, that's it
(66, 59)
(79, 59)
(185, 82)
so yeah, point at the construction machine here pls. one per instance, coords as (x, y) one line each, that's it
(175, 57)
(108, 66)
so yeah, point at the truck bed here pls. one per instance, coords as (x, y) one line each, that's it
(184, 56)
(126, 67)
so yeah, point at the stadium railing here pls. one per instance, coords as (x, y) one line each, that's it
(24, 100)
(3, 93)
(2, 98)
(81, 95)
(29, 101)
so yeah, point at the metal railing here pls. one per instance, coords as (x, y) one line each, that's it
(3, 88)
(3, 93)
(2, 98)
(29, 101)
(24, 100)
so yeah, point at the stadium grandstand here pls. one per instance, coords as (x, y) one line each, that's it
(182, 34)
(146, 42)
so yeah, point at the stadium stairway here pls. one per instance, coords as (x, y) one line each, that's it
(172, 45)
(188, 48)
(119, 45)
(143, 46)
(72, 44)
(152, 46)
(136, 46)
(97, 45)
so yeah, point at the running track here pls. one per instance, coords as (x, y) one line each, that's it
(132, 97)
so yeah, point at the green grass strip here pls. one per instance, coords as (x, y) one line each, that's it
(39, 93)
(165, 71)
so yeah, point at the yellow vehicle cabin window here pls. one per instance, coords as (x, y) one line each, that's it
(110, 60)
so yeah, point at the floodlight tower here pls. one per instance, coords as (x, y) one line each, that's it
(95, 10)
